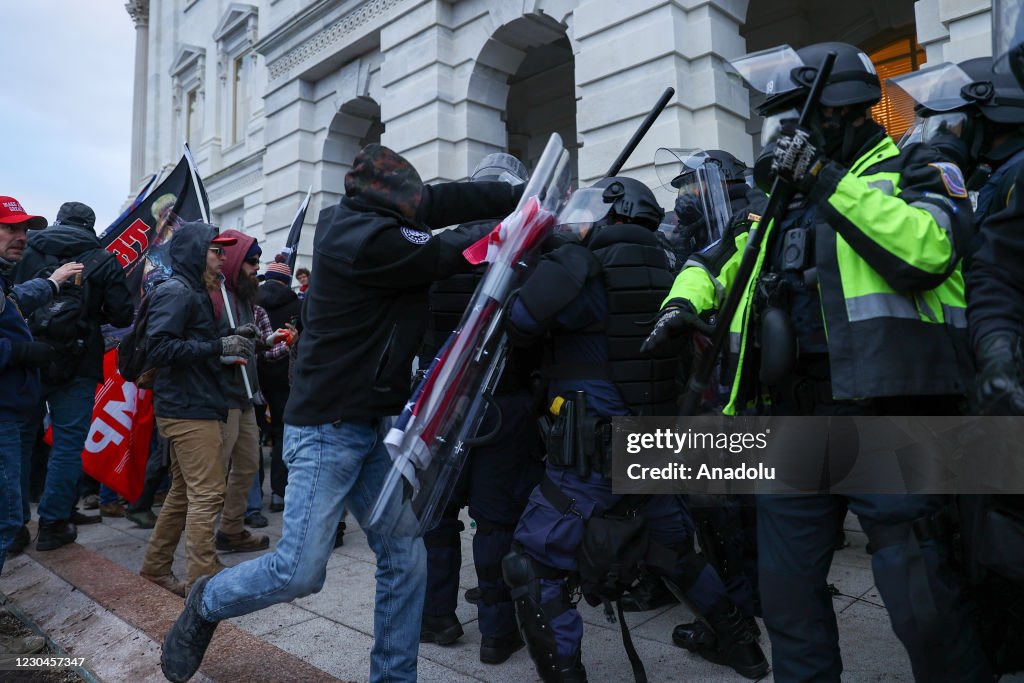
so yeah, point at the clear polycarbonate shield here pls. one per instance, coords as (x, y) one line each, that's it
(431, 439)
(585, 208)
(1008, 37)
(699, 183)
(911, 135)
(769, 71)
(936, 88)
(502, 167)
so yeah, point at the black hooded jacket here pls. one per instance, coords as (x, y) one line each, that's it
(109, 301)
(366, 308)
(182, 334)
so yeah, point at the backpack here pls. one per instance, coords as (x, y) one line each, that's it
(63, 323)
(131, 352)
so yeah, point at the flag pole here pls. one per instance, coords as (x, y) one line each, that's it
(223, 289)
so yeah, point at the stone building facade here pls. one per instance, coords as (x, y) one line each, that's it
(276, 96)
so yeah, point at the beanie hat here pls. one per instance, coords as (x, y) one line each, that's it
(382, 177)
(76, 213)
(254, 251)
(279, 270)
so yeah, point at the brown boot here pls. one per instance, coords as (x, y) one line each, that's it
(166, 581)
(242, 542)
(114, 509)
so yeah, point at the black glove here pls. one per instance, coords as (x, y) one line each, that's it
(31, 354)
(688, 209)
(248, 330)
(678, 316)
(238, 346)
(999, 389)
(797, 158)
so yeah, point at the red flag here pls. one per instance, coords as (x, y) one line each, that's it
(118, 443)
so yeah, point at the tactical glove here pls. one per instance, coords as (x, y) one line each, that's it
(248, 330)
(678, 317)
(237, 346)
(797, 159)
(1000, 391)
(31, 354)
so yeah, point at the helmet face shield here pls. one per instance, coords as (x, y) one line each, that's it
(702, 197)
(501, 167)
(585, 208)
(950, 123)
(769, 71)
(1008, 37)
(937, 88)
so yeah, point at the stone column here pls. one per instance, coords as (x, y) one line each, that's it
(954, 30)
(682, 43)
(138, 10)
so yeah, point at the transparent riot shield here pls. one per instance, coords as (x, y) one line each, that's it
(699, 184)
(937, 88)
(430, 440)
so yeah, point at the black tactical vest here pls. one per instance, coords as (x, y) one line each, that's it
(637, 278)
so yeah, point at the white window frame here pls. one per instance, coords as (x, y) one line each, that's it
(235, 36)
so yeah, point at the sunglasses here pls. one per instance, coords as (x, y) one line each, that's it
(254, 261)
(219, 251)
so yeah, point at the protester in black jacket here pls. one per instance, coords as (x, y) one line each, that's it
(69, 381)
(189, 403)
(363, 319)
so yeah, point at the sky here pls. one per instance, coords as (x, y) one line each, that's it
(66, 115)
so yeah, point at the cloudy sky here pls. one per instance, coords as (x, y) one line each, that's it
(66, 114)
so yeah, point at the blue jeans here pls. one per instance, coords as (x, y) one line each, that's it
(330, 467)
(10, 486)
(71, 411)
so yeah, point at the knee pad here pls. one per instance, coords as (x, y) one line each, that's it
(520, 574)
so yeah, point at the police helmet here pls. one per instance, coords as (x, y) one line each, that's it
(501, 167)
(733, 170)
(997, 96)
(853, 80)
(631, 200)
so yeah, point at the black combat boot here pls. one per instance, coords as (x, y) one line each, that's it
(53, 535)
(186, 642)
(498, 650)
(570, 670)
(650, 593)
(729, 641)
(443, 630)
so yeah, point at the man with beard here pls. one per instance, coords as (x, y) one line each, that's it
(240, 433)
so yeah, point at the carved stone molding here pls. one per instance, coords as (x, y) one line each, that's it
(330, 36)
(138, 10)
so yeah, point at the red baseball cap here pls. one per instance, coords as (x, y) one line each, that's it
(224, 241)
(12, 213)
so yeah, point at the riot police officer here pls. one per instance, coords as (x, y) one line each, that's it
(497, 476)
(586, 295)
(995, 303)
(976, 116)
(872, 233)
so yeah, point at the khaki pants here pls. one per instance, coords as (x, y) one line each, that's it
(240, 450)
(195, 498)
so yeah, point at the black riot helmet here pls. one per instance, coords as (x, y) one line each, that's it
(607, 201)
(853, 80)
(631, 201)
(998, 96)
(733, 170)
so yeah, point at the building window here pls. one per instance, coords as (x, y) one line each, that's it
(187, 76)
(895, 59)
(192, 116)
(235, 35)
(239, 100)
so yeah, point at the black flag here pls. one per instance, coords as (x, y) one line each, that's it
(141, 239)
(291, 247)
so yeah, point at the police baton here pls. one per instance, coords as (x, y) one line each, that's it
(659, 106)
(778, 201)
